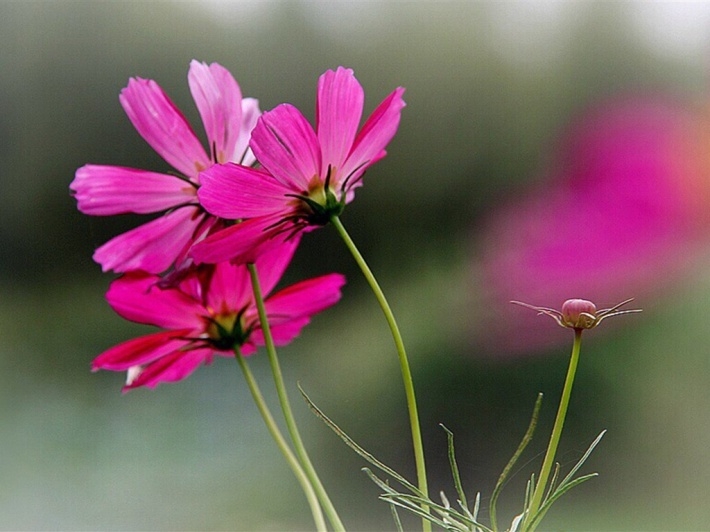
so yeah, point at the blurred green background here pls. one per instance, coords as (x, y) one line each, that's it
(490, 86)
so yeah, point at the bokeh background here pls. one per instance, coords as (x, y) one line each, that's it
(548, 150)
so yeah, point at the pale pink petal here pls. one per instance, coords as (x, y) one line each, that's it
(339, 104)
(153, 246)
(242, 242)
(141, 350)
(305, 298)
(250, 114)
(106, 190)
(171, 368)
(219, 101)
(286, 145)
(163, 126)
(377, 132)
(136, 297)
(232, 192)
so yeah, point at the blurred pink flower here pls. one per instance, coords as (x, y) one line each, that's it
(307, 175)
(622, 213)
(211, 311)
(107, 190)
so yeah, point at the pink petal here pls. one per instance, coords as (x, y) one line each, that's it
(171, 368)
(163, 126)
(153, 246)
(338, 112)
(231, 191)
(273, 261)
(229, 288)
(136, 297)
(106, 190)
(219, 101)
(242, 242)
(285, 144)
(141, 350)
(250, 115)
(305, 298)
(377, 132)
(282, 333)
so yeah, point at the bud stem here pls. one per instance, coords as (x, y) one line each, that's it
(549, 460)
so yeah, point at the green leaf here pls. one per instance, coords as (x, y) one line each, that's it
(509, 466)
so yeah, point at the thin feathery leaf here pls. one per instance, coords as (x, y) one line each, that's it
(355, 447)
(509, 466)
(454, 467)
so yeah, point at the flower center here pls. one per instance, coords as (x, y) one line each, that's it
(319, 203)
(227, 331)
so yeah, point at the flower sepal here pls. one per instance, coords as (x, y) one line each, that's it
(579, 314)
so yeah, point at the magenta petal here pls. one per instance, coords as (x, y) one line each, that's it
(152, 246)
(171, 368)
(282, 333)
(305, 298)
(139, 351)
(219, 101)
(286, 145)
(230, 287)
(163, 126)
(340, 101)
(106, 190)
(240, 243)
(232, 191)
(137, 297)
(377, 132)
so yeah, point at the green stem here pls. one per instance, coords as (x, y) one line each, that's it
(403, 362)
(310, 471)
(281, 443)
(555, 436)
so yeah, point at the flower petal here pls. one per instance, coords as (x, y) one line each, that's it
(170, 368)
(232, 191)
(140, 351)
(305, 298)
(375, 134)
(137, 297)
(153, 246)
(282, 333)
(243, 242)
(286, 145)
(163, 126)
(219, 101)
(340, 100)
(250, 114)
(106, 190)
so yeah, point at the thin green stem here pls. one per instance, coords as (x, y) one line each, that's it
(403, 362)
(282, 444)
(300, 448)
(549, 460)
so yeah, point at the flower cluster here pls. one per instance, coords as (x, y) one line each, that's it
(264, 180)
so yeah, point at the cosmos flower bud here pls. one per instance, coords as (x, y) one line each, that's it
(580, 314)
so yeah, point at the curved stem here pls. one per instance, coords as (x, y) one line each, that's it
(549, 460)
(281, 443)
(310, 471)
(403, 362)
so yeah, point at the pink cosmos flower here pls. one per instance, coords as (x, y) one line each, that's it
(106, 190)
(307, 175)
(623, 212)
(211, 311)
